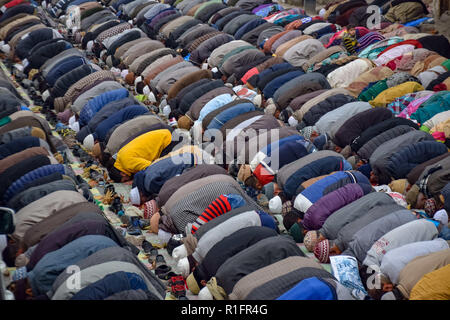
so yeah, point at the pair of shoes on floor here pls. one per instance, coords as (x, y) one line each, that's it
(110, 187)
(84, 186)
(144, 224)
(117, 207)
(174, 241)
(178, 287)
(94, 174)
(79, 152)
(121, 231)
(162, 270)
(152, 251)
(133, 227)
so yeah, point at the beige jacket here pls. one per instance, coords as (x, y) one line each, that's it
(43, 208)
(257, 278)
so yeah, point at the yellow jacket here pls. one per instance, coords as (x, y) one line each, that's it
(387, 96)
(140, 152)
(433, 286)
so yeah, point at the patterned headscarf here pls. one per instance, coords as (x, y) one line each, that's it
(430, 206)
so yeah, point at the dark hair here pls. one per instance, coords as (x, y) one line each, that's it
(251, 181)
(217, 75)
(110, 162)
(283, 197)
(398, 294)
(97, 49)
(114, 174)
(298, 213)
(233, 169)
(175, 114)
(104, 158)
(140, 87)
(289, 219)
(9, 254)
(168, 149)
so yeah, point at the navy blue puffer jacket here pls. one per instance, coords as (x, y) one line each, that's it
(18, 185)
(405, 159)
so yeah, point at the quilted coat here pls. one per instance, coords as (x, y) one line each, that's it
(329, 203)
(370, 146)
(96, 103)
(316, 112)
(313, 169)
(19, 184)
(379, 128)
(309, 196)
(405, 159)
(354, 126)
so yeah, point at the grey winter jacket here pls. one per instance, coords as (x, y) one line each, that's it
(366, 237)
(395, 260)
(28, 196)
(114, 255)
(347, 232)
(351, 212)
(335, 118)
(414, 231)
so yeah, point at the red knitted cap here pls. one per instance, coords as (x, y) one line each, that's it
(322, 251)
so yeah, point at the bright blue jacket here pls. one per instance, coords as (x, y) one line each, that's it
(288, 151)
(111, 284)
(121, 116)
(54, 263)
(310, 289)
(317, 190)
(316, 168)
(272, 86)
(151, 180)
(20, 183)
(95, 104)
(230, 113)
(65, 66)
